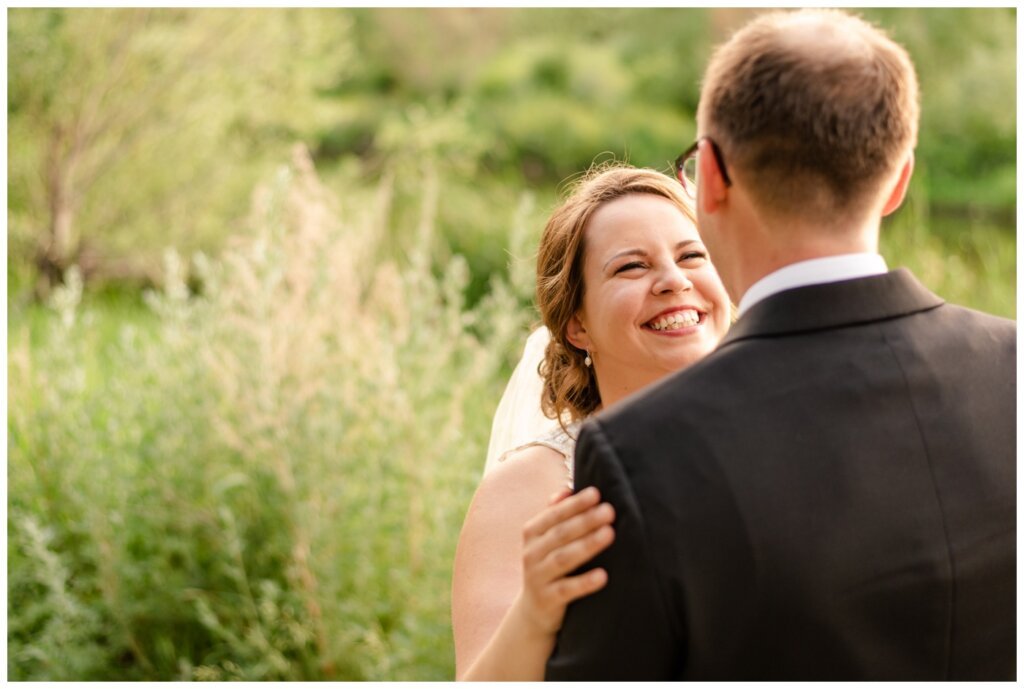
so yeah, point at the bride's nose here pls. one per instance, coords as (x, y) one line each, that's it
(672, 279)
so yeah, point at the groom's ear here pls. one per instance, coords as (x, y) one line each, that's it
(576, 333)
(713, 189)
(899, 190)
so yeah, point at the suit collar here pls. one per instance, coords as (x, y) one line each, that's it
(833, 305)
(812, 272)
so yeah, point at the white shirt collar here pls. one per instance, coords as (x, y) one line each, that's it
(816, 271)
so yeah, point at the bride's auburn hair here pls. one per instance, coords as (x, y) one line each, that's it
(570, 387)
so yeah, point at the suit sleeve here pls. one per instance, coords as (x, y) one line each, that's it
(622, 632)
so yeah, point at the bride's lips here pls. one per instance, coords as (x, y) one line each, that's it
(680, 329)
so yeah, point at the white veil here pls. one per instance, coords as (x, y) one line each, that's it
(518, 419)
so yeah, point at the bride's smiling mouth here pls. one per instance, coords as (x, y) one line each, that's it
(674, 320)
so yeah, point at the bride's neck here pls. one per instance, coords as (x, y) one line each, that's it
(614, 391)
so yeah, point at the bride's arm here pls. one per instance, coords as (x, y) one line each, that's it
(505, 613)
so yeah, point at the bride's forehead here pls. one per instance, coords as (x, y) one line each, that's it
(637, 208)
(649, 224)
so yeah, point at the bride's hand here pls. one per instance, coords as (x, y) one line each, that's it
(566, 534)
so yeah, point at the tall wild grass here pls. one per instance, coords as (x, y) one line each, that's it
(269, 482)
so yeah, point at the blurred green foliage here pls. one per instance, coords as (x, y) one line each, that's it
(131, 130)
(151, 126)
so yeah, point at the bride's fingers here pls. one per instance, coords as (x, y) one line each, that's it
(566, 590)
(573, 528)
(567, 558)
(559, 512)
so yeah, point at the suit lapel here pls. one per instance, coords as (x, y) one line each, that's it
(834, 305)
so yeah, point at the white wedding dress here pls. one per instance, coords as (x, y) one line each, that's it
(519, 421)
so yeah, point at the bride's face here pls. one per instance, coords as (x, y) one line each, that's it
(653, 303)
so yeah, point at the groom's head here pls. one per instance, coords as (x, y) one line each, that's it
(814, 113)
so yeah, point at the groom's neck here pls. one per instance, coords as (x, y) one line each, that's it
(765, 247)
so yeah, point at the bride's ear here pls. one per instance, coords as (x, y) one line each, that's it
(576, 333)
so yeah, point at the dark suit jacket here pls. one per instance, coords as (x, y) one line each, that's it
(831, 494)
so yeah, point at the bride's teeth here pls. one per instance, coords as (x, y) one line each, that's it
(679, 319)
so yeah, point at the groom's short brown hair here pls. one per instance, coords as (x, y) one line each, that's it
(813, 109)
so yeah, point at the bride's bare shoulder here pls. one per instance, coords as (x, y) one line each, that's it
(489, 548)
(527, 475)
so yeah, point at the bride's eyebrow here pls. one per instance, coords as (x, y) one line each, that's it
(642, 253)
(627, 252)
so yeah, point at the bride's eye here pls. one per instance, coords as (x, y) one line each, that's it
(628, 266)
(693, 256)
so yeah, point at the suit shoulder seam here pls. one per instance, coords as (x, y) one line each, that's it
(938, 497)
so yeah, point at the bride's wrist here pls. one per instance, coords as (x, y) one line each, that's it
(530, 622)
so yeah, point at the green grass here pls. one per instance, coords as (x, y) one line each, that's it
(967, 260)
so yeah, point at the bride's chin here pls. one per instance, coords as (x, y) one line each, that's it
(688, 358)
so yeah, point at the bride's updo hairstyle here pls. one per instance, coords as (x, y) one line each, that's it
(570, 387)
